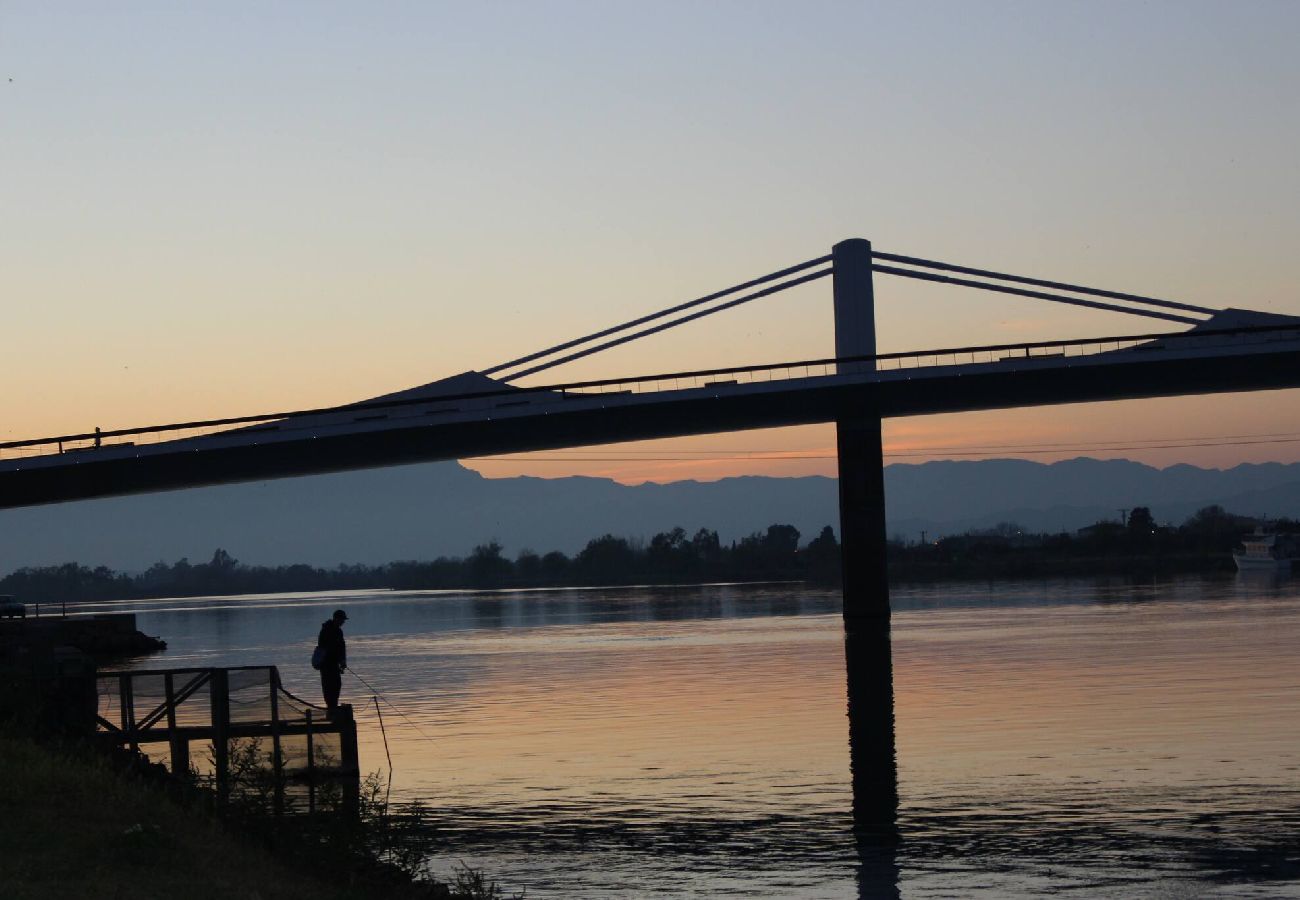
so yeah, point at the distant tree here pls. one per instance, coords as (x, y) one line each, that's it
(706, 547)
(528, 566)
(486, 564)
(781, 540)
(606, 558)
(1211, 520)
(1141, 523)
(770, 553)
(555, 565)
(222, 561)
(823, 556)
(670, 553)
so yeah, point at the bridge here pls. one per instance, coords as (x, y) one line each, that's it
(481, 413)
(488, 412)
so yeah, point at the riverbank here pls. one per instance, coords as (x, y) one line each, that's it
(101, 637)
(73, 825)
(917, 568)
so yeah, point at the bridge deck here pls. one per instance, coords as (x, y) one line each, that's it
(442, 425)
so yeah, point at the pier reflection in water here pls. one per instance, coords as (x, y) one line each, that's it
(873, 766)
(1114, 738)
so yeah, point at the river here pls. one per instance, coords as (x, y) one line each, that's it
(1114, 738)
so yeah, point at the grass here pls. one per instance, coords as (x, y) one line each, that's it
(71, 827)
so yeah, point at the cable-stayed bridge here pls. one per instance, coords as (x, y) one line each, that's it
(488, 412)
(481, 413)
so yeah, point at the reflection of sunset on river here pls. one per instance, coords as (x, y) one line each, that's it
(1044, 729)
(627, 711)
(982, 696)
(1104, 695)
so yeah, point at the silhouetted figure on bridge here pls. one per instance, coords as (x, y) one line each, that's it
(333, 657)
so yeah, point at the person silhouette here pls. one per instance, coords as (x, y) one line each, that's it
(334, 658)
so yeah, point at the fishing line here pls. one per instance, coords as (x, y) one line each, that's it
(384, 731)
(390, 703)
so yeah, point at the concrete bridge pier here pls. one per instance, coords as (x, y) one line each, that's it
(868, 657)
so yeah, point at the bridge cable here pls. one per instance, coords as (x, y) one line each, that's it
(1038, 295)
(889, 270)
(1039, 282)
(753, 282)
(794, 282)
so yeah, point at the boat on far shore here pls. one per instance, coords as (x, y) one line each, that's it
(1265, 552)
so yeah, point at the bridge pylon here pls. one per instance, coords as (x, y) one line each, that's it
(858, 440)
(867, 650)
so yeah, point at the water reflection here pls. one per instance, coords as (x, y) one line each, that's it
(872, 762)
(1101, 736)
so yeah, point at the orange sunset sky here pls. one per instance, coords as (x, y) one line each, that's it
(243, 208)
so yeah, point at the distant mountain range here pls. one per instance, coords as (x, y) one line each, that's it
(424, 511)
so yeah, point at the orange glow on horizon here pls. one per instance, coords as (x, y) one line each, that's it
(1218, 431)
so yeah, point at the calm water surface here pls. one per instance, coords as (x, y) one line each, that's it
(1101, 738)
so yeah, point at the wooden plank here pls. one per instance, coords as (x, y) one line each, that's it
(194, 670)
(234, 730)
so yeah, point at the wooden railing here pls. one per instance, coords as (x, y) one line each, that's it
(246, 715)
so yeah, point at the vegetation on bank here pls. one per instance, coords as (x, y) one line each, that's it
(672, 556)
(1138, 545)
(75, 825)
(1204, 542)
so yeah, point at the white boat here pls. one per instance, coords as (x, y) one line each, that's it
(1265, 552)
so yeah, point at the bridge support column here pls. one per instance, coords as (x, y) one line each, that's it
(868, 657)
(858, 439)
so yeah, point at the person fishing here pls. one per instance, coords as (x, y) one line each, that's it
(331, 657)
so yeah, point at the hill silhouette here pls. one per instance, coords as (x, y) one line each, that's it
(423, 511)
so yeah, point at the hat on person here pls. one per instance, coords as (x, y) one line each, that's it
(341, 615)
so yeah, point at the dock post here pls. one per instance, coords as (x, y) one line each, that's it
(351, 758)
(277, 758)
(219, 697)
(180, 747)
(126, 697)
(311, 766)
(867, 650)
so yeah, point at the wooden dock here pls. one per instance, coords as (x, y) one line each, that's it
(255, 728)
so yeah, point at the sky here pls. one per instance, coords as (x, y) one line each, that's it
(233, 208)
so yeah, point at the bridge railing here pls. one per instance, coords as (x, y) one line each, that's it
(885, 362)
(515, 399)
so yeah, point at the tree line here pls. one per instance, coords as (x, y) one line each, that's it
(672, 557)
(675, 556)
(1136, 545)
